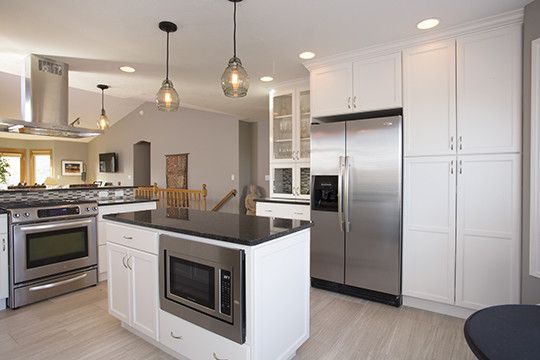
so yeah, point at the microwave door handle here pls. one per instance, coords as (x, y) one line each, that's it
(57, 225)
(340, 193)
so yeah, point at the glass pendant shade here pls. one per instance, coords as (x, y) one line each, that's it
(103, 121)
(235, 80)
(167, 98)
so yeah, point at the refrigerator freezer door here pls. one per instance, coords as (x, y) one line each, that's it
(327, 237)
(373, 243)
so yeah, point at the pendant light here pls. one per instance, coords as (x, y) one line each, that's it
(167, 98)
(103, 120)
(235, 80)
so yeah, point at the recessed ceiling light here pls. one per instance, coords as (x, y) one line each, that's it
(427, 24)
(306, 55)
(127, 69)
(266, 78)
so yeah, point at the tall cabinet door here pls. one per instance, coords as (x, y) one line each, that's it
(429, 228)
(118, 282)
(489, 91)
(144, 292)
(488, 230)
(331, 90)
(429, 99)
(4, 262)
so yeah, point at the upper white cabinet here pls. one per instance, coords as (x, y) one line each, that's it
(429, 99)
(488, 230)
(377, 83)
(489, 91)
(361, 85)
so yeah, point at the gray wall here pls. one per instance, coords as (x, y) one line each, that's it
(246, 161)
(261, 155)
(530, 292)
(142, 164)
(61, 150)
(211, 139)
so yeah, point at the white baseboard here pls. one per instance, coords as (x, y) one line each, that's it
(445, 309)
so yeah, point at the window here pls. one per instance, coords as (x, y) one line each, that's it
(40, 166)
(16, 160)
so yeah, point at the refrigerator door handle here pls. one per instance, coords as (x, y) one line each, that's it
(346, 190)
(340, 193)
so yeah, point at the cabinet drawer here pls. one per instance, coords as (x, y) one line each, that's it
(197, 343)
(135, 238)
(286, 211)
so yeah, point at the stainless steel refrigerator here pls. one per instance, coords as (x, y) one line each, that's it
(356, 207)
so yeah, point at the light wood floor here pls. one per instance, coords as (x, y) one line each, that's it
(77, 326)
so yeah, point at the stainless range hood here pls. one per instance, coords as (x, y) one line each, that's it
(44, 102)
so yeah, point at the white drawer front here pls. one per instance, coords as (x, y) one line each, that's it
(135, 238)
(197, 343)
(281, 210)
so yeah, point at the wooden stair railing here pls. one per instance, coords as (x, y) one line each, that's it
(169, 197)
(226, 198)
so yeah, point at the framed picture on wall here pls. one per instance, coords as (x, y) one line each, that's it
(72, 168)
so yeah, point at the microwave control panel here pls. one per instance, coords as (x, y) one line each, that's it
(226, 285)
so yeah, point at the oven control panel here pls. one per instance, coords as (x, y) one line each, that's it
(33, 214)
(225, 291)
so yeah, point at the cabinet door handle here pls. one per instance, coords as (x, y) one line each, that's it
(3, 244)
(452, 167)
(218, 358)
(349, 102)
(127, 237)
(460, 142)
(127, 262)
(175, 337)
(452, 142)
(460, 167)
(124, 261)
(354, 102)
(268, 211)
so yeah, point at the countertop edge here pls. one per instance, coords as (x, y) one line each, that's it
(307, 225)
(134, 201)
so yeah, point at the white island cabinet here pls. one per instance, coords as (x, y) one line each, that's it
(276, 283)
(4, 266)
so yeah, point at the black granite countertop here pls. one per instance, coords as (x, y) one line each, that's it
(124, 200)
(235, 228)
(67, 189)
(284, 201)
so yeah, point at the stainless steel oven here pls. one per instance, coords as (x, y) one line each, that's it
(53, 250)
(203, 284)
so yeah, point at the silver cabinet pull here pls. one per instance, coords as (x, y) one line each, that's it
(55, 284)
(124, 261)
(452, 142)
(354, 102)
(127, 237)
(460, 142)
(218, 358)
(175, 337)
(3, 244)
(452, 167)
(349, 102)
(268, 211)
(460, 167)
(127, 263)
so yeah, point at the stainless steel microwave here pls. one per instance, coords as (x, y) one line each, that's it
(203, 284)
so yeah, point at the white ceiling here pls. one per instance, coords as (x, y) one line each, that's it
(96, 37)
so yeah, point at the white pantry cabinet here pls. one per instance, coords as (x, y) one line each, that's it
(429, 231)
(102, 240)
(133, 288)
(357, 86)
(462, 213)
(429, 99)
(4, 262)
(488, 230)
(489, 91)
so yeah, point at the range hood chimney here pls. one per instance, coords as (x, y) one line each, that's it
(44, 101)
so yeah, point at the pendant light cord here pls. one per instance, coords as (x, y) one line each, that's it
(102, 101)
(234, 33)
(167, 70)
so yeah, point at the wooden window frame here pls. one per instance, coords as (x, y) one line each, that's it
(22, 154)
(33, 153)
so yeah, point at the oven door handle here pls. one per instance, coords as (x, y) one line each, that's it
(58, 283)
(63, 224)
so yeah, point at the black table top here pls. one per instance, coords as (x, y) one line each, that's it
(236, 228)
(506, 332)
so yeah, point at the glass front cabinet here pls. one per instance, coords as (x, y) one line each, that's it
(290, 121)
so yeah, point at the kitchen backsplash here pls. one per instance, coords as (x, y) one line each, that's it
(62, 194)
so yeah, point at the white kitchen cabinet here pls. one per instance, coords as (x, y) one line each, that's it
(332, 89)
(429, 233)
(377, 83)
(290, 180)
(283, 210)
(4, 261)
(361, 85)
(102, 240)
(133, 288)
(462, 213)
(489, 91)
(429, 99)
(488, 230)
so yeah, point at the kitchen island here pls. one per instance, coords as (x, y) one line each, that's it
(208, 285)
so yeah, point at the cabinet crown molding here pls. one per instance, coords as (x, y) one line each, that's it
(489, 23)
